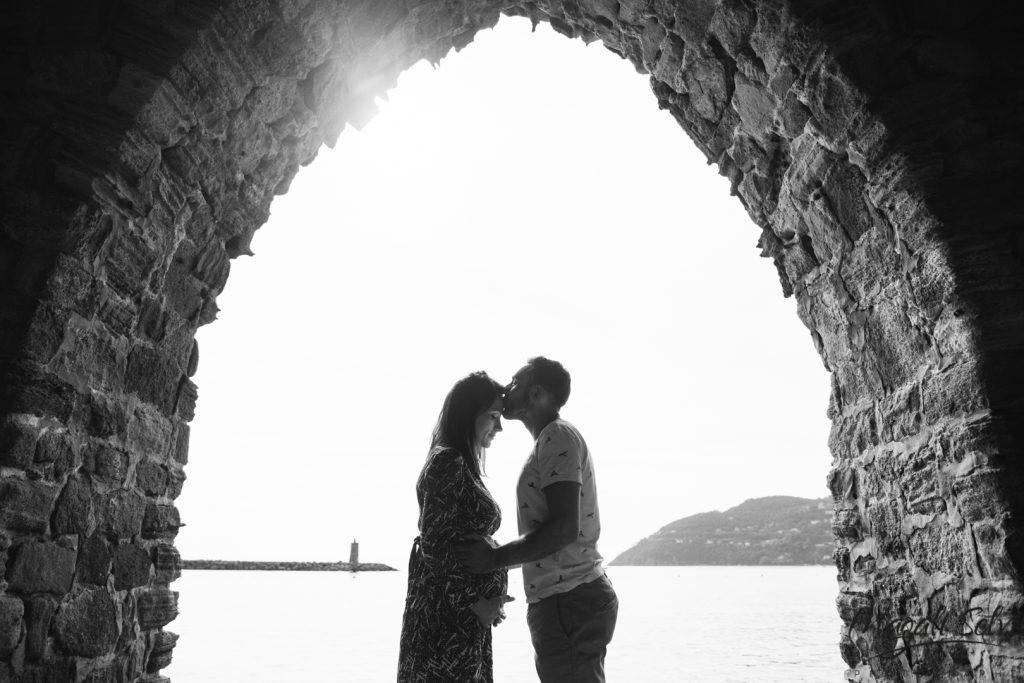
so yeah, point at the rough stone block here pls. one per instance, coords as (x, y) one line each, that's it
(160, 651)
(212, 266)
(105, 463)
(842, 485)
(151, 478)
(846, 524)
(798, 262)
(707, 80)
(46, 332)
(793, 115)
(38, 614)
(154, 377)
(131, 567)
(161, 521)
(117, 313)
(11, 612)
(26, 505)
(87, 624)
(130, 255)
(957, 390)
(167, 562)
(157, 608)
(188, 394)
(152, 321)
(74, 513)
(884, 522)
(848, 649)
(897, 348)
(31, 390)
(755, 106)
(108, 415)
(991, 543)
(940, 548)
(854, 433)
(823, 227)
(17, 443)
(179, 340)
(844, 187)
(1006, 668)
(175, 482)
(841, 558)
(122, 515)
(179, 442)
(149, 433)
(867, 270)
(855, 609)
(922, 482)
(55, 446)
(41, 567)
(193, 360)
(864, 565)
(131, 642)
(900, 413)
(94, 356)
(142, 93)
(981, 495)
(93, 561)
(184, 294)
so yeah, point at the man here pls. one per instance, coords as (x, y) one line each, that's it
(572, 606)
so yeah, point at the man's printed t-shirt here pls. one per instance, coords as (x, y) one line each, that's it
(559, 454)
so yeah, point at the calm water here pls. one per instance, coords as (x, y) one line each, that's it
(701, 624)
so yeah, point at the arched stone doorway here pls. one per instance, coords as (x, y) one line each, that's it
(877, 145)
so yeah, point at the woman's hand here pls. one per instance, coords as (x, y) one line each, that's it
(491, 611)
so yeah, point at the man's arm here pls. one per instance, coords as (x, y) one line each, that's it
(561, 528)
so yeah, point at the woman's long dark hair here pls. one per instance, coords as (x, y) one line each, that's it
(456, 425)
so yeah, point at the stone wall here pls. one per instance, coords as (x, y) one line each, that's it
(876, 145)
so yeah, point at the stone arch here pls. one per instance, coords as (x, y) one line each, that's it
(876, 145)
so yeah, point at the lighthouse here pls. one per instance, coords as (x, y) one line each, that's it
(353, 555)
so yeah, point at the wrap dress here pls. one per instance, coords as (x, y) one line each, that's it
(442, 640)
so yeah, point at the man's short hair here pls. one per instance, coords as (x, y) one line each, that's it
(552, 376)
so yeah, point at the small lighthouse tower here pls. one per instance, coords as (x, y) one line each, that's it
(353, 555)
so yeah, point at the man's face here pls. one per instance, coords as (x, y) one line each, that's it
(517, 395)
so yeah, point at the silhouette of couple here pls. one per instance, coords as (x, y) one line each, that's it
(458, 575)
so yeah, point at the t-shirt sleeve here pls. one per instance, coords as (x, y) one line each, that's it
(560, 457)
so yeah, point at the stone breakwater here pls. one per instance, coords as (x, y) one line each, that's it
(246, 565)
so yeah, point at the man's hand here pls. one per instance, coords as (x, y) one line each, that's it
(476, 554)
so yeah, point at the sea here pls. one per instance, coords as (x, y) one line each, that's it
(676, 624)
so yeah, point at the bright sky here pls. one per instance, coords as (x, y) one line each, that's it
(526, 197)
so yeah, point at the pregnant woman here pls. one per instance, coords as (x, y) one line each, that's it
(446, 628)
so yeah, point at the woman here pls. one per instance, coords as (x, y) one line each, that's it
(446, 629)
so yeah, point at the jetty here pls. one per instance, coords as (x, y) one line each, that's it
(248, 565)
(353, 565)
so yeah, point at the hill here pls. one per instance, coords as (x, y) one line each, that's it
(782, 530)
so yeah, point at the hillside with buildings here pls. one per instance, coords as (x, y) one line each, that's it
(775, 530)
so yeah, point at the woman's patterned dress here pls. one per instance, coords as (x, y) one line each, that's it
(442, 640)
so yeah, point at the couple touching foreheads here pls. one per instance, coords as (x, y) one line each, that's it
(458, 576)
